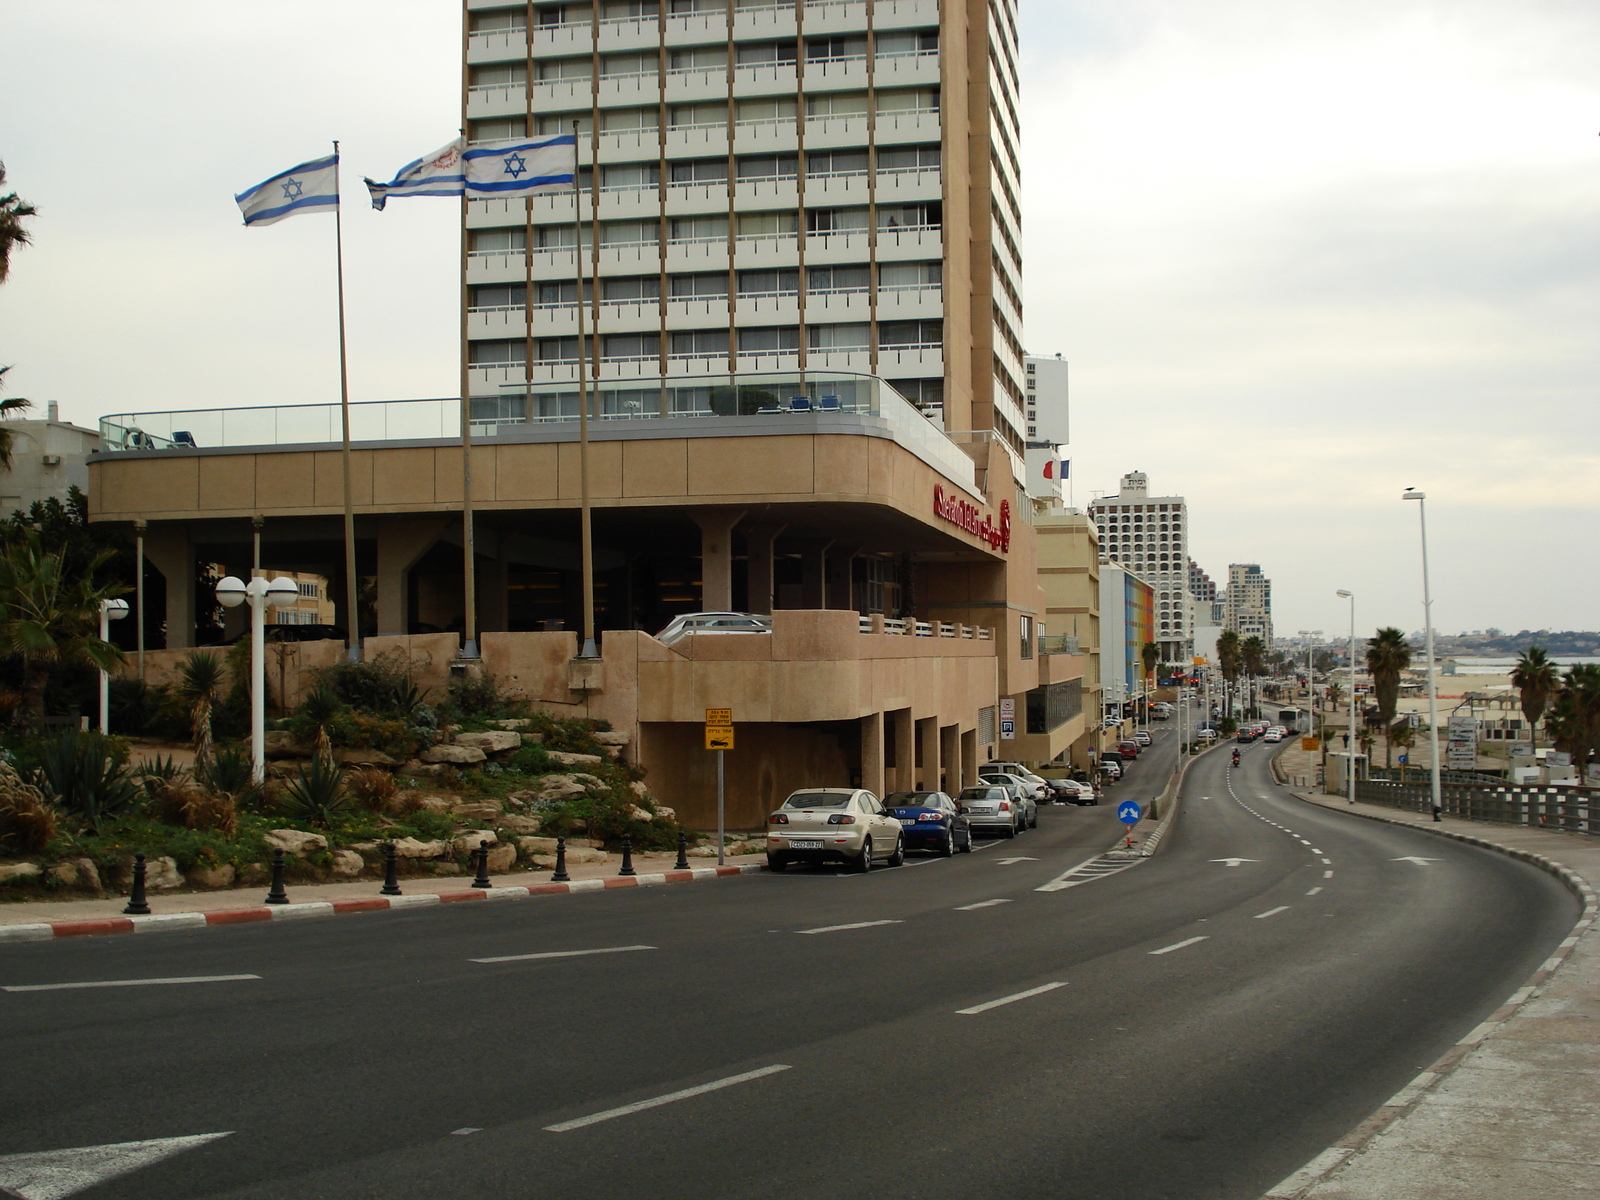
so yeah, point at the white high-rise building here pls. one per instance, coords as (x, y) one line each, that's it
(782, 187)
(1247, 610)
(1046, 400)
(1150, 536)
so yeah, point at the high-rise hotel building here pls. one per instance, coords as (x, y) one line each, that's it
(1149, 536)
(765, 187)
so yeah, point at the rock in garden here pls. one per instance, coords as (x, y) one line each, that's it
(419, 768)
(254, 874)
(663, 813)
(361, 756)
(458, 755)
(640, 814)
(568, 759)
(583, 854)
(492, 742)
(477, 810)
(162, 874)
(611, 738)
(537, 845)
(446, 868)
(638, 788)
(502, 858)
(280, 743)
(562, 787)
(11, 871)
(219, 876)
(438, 804)
(467, 843)
(409, 847)
(518, 824)
(295, 841)
(702, 852)
(515, 723)
(348, 863)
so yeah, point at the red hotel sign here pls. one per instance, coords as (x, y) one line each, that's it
(963, 515)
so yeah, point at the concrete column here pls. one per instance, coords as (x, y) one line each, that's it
(402, 541)
(905, 751)
(758, 566)
(167, 548)
(837, 570)
(716, 557)
(872, 754)
(928, 740)
(950, 754)
(813, 578)
(969, 758)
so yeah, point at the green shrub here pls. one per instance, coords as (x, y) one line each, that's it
(84, 772)
(317, 794)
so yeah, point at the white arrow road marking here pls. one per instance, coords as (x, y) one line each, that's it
(980, 904)
(855, 925)
(559, 954)
(1234, 862)
(1421, 862)
(1007, 862)
(1178, 945)
(1038, 991)
(56, 1174)
(686, 1093)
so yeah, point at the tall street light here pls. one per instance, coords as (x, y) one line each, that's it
(1427, 618)
(280, 593)
(1350, 737)
(110, 610)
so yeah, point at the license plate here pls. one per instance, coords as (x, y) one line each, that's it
(797, 844)
(908, 820)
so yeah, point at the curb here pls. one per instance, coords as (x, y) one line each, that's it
(1407, 1098)
(44, 932)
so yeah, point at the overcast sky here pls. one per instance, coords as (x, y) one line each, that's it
(1300, 255)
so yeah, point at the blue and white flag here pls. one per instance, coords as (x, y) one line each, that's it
(516, 167)
(311, 187)
(436, 174)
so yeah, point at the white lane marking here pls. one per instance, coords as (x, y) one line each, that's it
(464, 1132)
(1314, 850)
(853, 925)
(1313, 891)
(1234, 862)
(1413, 858)
(980, 904)
(1326, 861)
(1178, 945)
(57, 987)
(1011, 862)
(670, 1097)
(1038, 991)
(1272, 912)
(559, 954)
(56, 1174)
(990, 845)
(1327, 874)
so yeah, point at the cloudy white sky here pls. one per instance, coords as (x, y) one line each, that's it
(1300, 255)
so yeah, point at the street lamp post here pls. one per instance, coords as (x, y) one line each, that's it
(110, 610)
(260, 595)
(1433, 690)
(1350, 736)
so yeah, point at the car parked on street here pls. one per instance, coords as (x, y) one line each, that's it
(846, 825)
(1110, 770)
(992, 807)
(1142, 736)
(1042, 792)
(1026, 796)
(1129, 748)
(1205, 735)
(930, 821)
(1078, 792)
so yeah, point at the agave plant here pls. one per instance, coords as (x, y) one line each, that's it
(86, 777)
(317, 794)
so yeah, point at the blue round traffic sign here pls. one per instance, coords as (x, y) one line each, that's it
(1128, 813)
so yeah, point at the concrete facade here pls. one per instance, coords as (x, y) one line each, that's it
(49, 457)
(1148, 535)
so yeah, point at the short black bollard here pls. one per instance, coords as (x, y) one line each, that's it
(481, 879)
(277, 895)
(627, 856)
(137, 905)
(683, 852)
(391, 871)
(561, 875)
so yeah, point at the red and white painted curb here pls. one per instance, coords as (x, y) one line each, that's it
(48, 931)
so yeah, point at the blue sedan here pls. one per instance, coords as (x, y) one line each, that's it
(930, 821)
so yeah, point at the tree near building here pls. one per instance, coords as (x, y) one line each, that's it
(1574, 720)
(1388, 654)
(1253, 657)
(1536, 679)
(14, 211)
(1228, 658)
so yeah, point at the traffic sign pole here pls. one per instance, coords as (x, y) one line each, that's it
(721, 839)
(719, 737)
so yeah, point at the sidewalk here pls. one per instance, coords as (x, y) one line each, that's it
(1509, 1112)
(39, 920)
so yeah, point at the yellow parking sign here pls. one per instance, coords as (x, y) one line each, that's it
(719, 716)
(719, 737)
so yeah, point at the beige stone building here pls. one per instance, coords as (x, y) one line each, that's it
(1069, 577)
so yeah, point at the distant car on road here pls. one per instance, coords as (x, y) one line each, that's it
(1272, 735)
(1142, 736)
(991, 806)
(1205, 735)
(1042, 790)
(1110, 769)
(1025, 792)
(1079, 793)
(1129, 749)
(930, 821)
(1246, 735)
(846, 825)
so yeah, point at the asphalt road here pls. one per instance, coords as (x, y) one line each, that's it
(1195, 1029)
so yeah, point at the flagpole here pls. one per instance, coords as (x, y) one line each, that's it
(469, 565)
(585, 532)
(352, 603)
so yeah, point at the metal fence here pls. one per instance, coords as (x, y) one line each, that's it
(1574, 810)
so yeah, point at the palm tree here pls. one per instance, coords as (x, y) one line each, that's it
(1228, 659)
(50, 616)
(1536, 679)
(1253, 655)
(7, 407)
(200, 684)
(1150, 654)
(1403, 735)
(13, 212)
(1582, 687)
(1387, 655)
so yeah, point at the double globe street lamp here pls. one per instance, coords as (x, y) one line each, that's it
(110, 610)
(260, 595)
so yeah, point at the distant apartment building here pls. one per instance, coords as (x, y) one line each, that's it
(1045, 399)
(1070, 687)
(49, 457)
(1148, 535)
(1247, 609)
(1127, 622)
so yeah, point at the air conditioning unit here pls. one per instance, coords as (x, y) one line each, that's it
(52, 460)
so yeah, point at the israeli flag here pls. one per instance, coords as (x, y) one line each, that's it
(436, 174)
(311, 187)
(516, 167)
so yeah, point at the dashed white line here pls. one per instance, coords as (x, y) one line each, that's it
(559, 954)
(1178, 945)
(670, 1097)
(852, 925)
(59, 987)
(980, 904)
(1327, 874)
(1038, 991)
(1313, 891)
(1272, 912)
(1326, 861)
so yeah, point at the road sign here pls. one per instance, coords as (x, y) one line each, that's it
(1129, 813)
(1008, 706)
(1308, 743)
(1008, 730)
(719, 737)
(719, 716)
